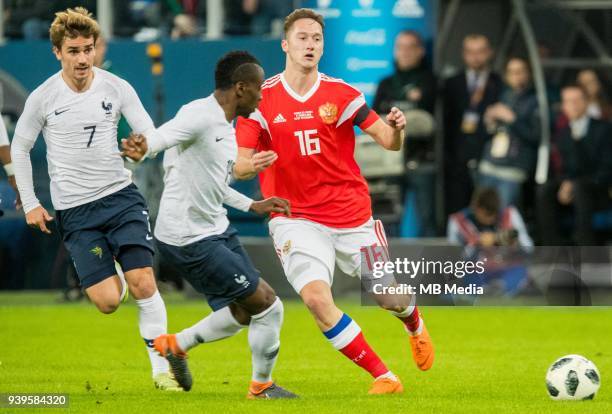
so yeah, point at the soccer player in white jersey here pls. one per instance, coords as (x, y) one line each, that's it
(5, 159)
(192, 229)
(100, 213)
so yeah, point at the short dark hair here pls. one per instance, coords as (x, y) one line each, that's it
(302, 14)
(413, 33)
(487, 199)
(234, 67)
(522, 59)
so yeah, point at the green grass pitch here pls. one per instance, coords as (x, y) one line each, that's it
(489, 360)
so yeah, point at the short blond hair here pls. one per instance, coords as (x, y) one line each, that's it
(72, 23)
(302, 14)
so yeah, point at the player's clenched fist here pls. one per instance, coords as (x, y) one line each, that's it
(39, 217)
(396, 118)
(271, 205)
(134, 146)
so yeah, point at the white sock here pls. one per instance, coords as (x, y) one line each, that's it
(389, 375)
(407, 312)
(264, 340)
(152, 321)
(218, 325)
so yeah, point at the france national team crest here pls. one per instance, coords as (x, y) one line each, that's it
(328, 113)
(107, 105)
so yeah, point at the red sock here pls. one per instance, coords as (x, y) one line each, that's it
(361, 354)
(412, 321)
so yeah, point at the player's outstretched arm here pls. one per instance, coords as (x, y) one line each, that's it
(249, 163)
(5, 160)
(38, 219)
(134, 147)
(271, 205)
(389, 135)
(36, 215)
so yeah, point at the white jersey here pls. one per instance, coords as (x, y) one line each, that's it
(4, 141)
(198, 170)
(80, 130)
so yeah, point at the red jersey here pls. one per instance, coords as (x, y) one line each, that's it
(314, 138)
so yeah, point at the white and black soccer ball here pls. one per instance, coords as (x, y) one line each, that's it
(572, 377)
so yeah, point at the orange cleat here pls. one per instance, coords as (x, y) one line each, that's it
(268, 391)
(166, 344)
(422, 349)
(167, 347)
(386, 386)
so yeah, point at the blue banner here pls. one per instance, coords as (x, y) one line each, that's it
(359, 36)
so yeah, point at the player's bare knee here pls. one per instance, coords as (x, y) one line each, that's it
(267, 294)
(319, 306)
(141, 282)
(107, 306)
(240, 314)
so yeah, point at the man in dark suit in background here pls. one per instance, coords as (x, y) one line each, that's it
(586, 178)
(466, 96)
(412, 88)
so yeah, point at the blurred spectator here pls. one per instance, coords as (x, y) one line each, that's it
(188, 17)
(256, 17)
(412, 88)
(413, 85)
(585, 147)
(265, 12)
(510, 157)
(466, 96)
(138, 18)
(185, 26)
(30, 19)
(495, 235)
(599, 105)
(27, 19)
(237, 19)
(100, 60)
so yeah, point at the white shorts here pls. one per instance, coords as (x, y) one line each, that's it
(323, 246)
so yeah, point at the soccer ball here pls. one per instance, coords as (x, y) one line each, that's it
(572, 377)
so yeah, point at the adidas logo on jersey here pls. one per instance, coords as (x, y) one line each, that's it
(279, 118)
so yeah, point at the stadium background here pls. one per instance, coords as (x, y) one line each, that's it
(359, 45)
(489, 359)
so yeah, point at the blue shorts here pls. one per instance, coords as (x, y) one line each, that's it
(217, 266)
(95, 232)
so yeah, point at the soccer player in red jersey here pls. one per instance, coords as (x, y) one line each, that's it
(301, 141)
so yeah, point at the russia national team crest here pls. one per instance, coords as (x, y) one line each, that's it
(287, 247)
(328, 113)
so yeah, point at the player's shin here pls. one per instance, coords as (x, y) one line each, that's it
(264, 340)
(152, 321)
(218, 325)
(346, 337)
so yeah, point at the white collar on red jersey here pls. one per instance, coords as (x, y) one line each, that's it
(307, 95)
